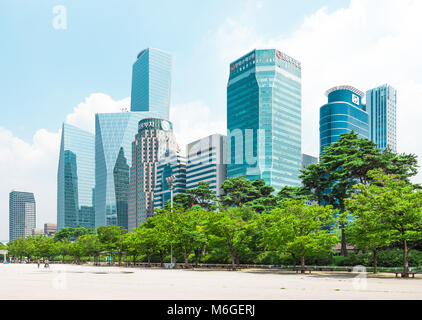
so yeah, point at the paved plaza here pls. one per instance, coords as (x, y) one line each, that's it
(87, 282)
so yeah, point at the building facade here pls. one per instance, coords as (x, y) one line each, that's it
(172, 164)
(381, 104)
(154, 139)
(76, 179)
(307, 160)
(264, 112)
(206, 161)
(114, 134)
(22, 214)
(343, 113)
(50, 229)
(151, 82)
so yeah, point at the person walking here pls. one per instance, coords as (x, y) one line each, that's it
(38, 263)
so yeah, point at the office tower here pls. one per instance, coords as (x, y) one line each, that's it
(206, 161)
(151, 82)
(343, 113)
(172, 164)
(114, 134)
(76, 179)
(155, 138)
(50, 229)
(37, 232)
(22, 214)
(381, 104)
(307, 160)
(264, 103)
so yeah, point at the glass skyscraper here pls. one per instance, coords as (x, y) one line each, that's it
(114, 133)
(151, 82)
(343, 113)
(307, 160)
(76, 179)
(206, 162)
(264, 110)
(172, 164)
(154, 140)
(381, 104)
(22, 214)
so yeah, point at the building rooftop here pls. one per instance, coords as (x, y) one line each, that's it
(345, 87)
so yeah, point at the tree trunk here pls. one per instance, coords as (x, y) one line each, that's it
(237, 260)
(196, 257)
(161, 258)
(134, 259)
(149, 260)
(120, 258)
(302, 263)
(343, 232)
(233, 259)
(186, 259)
(405, 259)
(343, 241)
(375, 261)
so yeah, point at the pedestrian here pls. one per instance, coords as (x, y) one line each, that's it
(38, 263)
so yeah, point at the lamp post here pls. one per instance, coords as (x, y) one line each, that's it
(170, 183)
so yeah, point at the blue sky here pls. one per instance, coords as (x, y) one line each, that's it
(47, 72)
(49, 76)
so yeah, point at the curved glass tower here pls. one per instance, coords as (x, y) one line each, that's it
(343, 113)
(76, 179)
(114, 134)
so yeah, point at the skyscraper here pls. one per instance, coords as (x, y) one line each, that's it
(264, 109)
(76, 179)
(381, 104)
(206, 161)
(22, 214)
(114, 134)
(172, 164)
(343, 113)
(151, 82)
(155, 138)
(307, 160)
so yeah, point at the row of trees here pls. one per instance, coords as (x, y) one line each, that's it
(358, 192)
(236, 234)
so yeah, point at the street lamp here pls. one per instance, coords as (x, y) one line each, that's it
(170, 183)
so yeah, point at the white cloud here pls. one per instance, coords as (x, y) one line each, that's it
(29, 167)
(367, 44)
(83, 115)
(193, 121)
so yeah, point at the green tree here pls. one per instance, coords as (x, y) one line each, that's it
(182, 200)
(235, 226)
(113, 239)
(397, 205)
(343, 164)
(44, 247)
(133, 246)
(203, 196)
(71, 234)
(90, 246)
(185, 230)
(301, 230)
(366, 231)
(261, 197)
(22, 247)
(63, 248)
